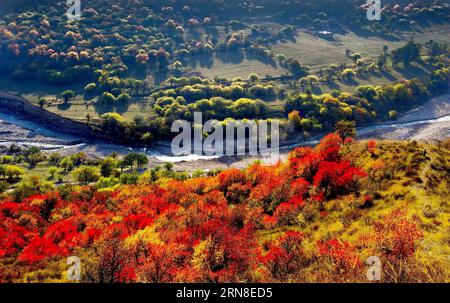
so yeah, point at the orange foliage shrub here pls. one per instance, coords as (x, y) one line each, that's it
(341, 257)
(395, 237)
(284, 258)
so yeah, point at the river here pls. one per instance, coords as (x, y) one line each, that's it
(430, 121)
(23, 132)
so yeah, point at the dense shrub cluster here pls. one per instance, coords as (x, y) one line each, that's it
(368, 103)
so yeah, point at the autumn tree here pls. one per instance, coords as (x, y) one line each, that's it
(109, 264)
(346, 129)
(13, 171)
(371, 147)
(160, 264)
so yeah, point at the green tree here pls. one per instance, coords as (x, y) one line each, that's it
(66, 163)
(280, 57)
(128, 160)
(393, 114)
(129, 179)
(134, 158)
(86, 174)
(294, 118)
(7, 159)
(78, 158)
(108, 98)
(312, 79)
(406, 54)
(147, 137)
(41, 102)
(67, 95)
(107, 166)
(3, 186)
(54, 158)
(177, 65)
(14, 172)
(366, 91)
(253, 77)
(346, 129)
(2, 171)
(90, 87)
(123, 98)
(348, 74)
(52, 171)
(141, 159)
(34, 159)
(303, 82)
(168, 166)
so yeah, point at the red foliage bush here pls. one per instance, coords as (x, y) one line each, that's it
(371, 147)
(395, 237)
(341, 256)
(39, 249)
(337, 178)
(284, 258)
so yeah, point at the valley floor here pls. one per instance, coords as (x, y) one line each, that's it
(429, 122)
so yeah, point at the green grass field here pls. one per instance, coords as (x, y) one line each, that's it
(33, 90)
(41, 171)
(377, 78)
(319, 53)
(233, 64)
(78, 107)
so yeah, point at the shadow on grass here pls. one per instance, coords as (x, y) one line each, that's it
(235, 57)
(411, 71)
(122, 108)
(367, 34)
(160, 76)
(64, 106)
(103, 107)
(387, 75)
(332, 85)
(316, 90)
(364, 76)
(351, 82)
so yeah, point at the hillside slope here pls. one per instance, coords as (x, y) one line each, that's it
(315, 218)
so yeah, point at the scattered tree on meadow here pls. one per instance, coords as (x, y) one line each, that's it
(67, 95)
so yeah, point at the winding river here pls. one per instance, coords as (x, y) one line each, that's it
(430, 121)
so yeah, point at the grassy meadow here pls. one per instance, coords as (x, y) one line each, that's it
(232, 65)
(315, 52)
